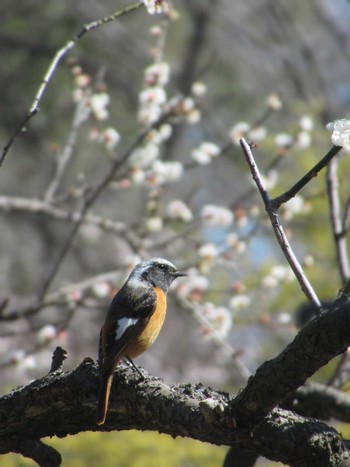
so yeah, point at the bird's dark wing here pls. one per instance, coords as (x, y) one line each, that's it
(127, 317)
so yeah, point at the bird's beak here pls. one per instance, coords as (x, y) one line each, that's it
(179, 274)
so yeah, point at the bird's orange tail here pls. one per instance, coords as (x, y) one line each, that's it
(103, 397)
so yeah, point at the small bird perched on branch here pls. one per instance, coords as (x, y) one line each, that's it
(133, 321)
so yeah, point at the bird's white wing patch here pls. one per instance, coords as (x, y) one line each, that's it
(123, 325)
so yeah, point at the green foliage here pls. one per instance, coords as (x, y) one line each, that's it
(128, 449)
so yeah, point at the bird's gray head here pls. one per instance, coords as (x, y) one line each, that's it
(157, 271)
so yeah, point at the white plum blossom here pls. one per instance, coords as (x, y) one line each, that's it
(167, 171)
(177, 209)
(306, 123)
(239, 302)
(193, 287)
(98, 104)
(284, 318)
(138, 175)
(110, 137)
(280, 272)
(219, 319)
(295, 205)
(144, 156)
(198, 88)
(208, 251)
(101, 289)
(257, 133)
(216, 216)
(340, 133)
(155, 6)
(232, 239)
(303, 140)
(157, 74)
(239, 131)
(46, 334)
(204, 154)
(284, 140)
(154, 224)
(270, 179)
(154, 95)
(274, 102)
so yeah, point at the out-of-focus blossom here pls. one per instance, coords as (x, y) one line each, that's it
(340, 133)
(306, 123)
(274, 102)
(232, 239)
(154, 95)
(156, 31)
(154, 224)
(208, 251)
(83, 80)
(110, 137)
(284, 140)
(204, 154)
(270, 179)
(98, 104)
(46, 334)
(280, 272)
(257, 134)
(216, 216)
(294, 206)
(193, 286)
(177, 209)
(155, 6)
(239, 302)
(157, 74)
(219, 320)
(138, 175)
(101, 289)
(167, 171)
(269, 282)
(198, 88)
(241, 247)
(283, 318)
(144, 156)
(309, 260)
(303, 140)
(239, 131)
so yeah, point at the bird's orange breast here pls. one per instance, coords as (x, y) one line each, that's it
(151, 331)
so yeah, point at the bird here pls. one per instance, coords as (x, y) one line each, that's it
(133, 321)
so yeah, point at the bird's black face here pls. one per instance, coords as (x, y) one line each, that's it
(159, 272)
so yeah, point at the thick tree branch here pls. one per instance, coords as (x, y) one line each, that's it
(321, 340)
(65, 403)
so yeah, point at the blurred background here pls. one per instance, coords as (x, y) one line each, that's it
(273, 72)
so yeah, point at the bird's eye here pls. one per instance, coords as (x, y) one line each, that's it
(161, 266)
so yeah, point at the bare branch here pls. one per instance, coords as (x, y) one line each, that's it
(321, 340)
(54, 64)
(64, 158)
(337, 222)
(306, 178)
(271, 209)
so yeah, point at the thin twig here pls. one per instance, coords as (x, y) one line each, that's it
(53, 65)
(92, 196)
(242, 370)
(64, 158)
(306, 178)
(337, 222)
(272, 209)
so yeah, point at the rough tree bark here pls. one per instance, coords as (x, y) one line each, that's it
(63, 403)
